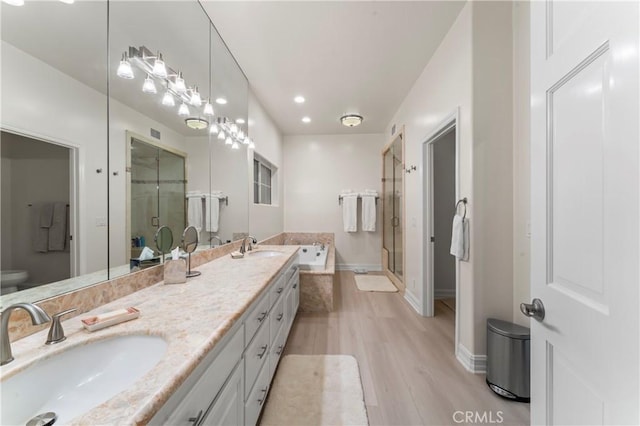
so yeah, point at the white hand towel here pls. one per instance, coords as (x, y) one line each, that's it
(39, 235)
(212, 209)
(194, 211)
(460, 238)
(350, 212)
(369, 212)
(58, 228)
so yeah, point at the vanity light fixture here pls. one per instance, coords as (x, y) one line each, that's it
(221, 135)
(167, 99)
(124, 69)
(213, 129)
(183, 110)
(196, 123)
(298, 99)
(195, 100)
(179, 84)
(251, 144)
(159, 69)
(233, 129)
(235, 145)
(208, 108)
(306, 120)
(351, 120)
(221, 101)
(149, 86)
(240, 135)
(228, 141)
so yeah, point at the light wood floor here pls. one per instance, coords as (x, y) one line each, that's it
(407, 363)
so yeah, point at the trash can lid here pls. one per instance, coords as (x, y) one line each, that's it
(508, 329)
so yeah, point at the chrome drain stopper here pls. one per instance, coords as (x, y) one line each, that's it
(44, 419)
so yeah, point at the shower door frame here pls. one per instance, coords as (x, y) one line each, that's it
(129, 137)
(399, 282)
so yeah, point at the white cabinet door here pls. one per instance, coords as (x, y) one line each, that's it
(229, 407)
(585, 212)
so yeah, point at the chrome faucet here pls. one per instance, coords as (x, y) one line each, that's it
(38, 316)
(244, 248)
(215, 237)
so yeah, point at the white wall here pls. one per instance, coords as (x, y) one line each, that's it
(317, 168)
(443, 87)
(6, 216)
(521, 168)
(264, 220)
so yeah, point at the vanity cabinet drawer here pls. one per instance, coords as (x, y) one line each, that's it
(228, 408)
(277, 290)
(277, 317)
(256, 318)
(256, 398)
(255, 355)
(277, 348)
(291, 273)
(208, 385)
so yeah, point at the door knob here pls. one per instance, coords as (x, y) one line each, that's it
(534, 310)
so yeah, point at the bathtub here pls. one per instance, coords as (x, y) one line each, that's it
(313, 258)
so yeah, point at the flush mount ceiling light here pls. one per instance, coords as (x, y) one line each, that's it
(351, 120)
(306, 120)
(298, 99)
(196, 123)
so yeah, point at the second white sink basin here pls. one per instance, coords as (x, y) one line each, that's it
(264, 253)
(76, 380)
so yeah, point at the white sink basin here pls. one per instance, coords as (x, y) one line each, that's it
(76, 380)
(264, 253)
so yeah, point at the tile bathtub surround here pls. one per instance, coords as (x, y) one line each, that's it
(88, 298)
(316, 292)
(223, 292)
(308, 238)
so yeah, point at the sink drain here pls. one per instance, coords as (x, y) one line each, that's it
(44, 419)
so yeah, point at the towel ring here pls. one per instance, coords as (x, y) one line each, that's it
(464, 202)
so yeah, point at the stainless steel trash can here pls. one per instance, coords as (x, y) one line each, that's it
(508, 359)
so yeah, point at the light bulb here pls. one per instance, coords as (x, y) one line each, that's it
(179, 83)
(221, 135)
(124, 69)
(167, 99)
(213, 129)
(306, 120)
(208, 109)
(298, 99)
(159, 69)
(149, 86)
(195, 100)
(228, 141)
(183, 110)
(235, 145)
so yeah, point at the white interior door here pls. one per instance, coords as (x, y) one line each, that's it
(585, 212)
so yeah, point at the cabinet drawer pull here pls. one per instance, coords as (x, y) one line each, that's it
(280, 317)
(195, 420)
(262, 316)
(264, 391)
(279, 350)
(264, 351)
(279, 290)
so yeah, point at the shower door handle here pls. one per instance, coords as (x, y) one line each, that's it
(155, 221)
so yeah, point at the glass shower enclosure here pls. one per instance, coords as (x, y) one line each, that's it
(392, 188)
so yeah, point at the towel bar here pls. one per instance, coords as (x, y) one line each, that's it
(359, 196)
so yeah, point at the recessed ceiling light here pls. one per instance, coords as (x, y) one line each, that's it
(14, 2)
(240, 121)
(298, 99)
(351, 120)
(221, 101)
(306, 120)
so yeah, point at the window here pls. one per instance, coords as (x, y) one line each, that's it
(263, 178)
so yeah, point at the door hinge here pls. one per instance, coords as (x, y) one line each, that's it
(433, 239)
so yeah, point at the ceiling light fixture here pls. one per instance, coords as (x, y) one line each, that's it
(183, 110)
(240, 120)
(149, 86)
(196, 123)
(298, 99)
(167, 99)
(221, 101)
(306, 120)
(124, 69)
(159, 69)
(351, 120)
(208, 108)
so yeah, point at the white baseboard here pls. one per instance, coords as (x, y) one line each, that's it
(353, 266)
(476, 364)
(413, 301)
(444, 293)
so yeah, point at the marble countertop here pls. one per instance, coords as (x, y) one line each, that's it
(191, 317)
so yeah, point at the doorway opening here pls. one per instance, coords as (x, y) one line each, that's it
(38, 200)
(441, 192)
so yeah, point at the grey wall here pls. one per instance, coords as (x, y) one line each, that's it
(444, 181)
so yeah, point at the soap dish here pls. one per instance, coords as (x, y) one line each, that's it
(110, 318)
(237, 255)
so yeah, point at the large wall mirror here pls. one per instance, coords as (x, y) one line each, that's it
(93, 162)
